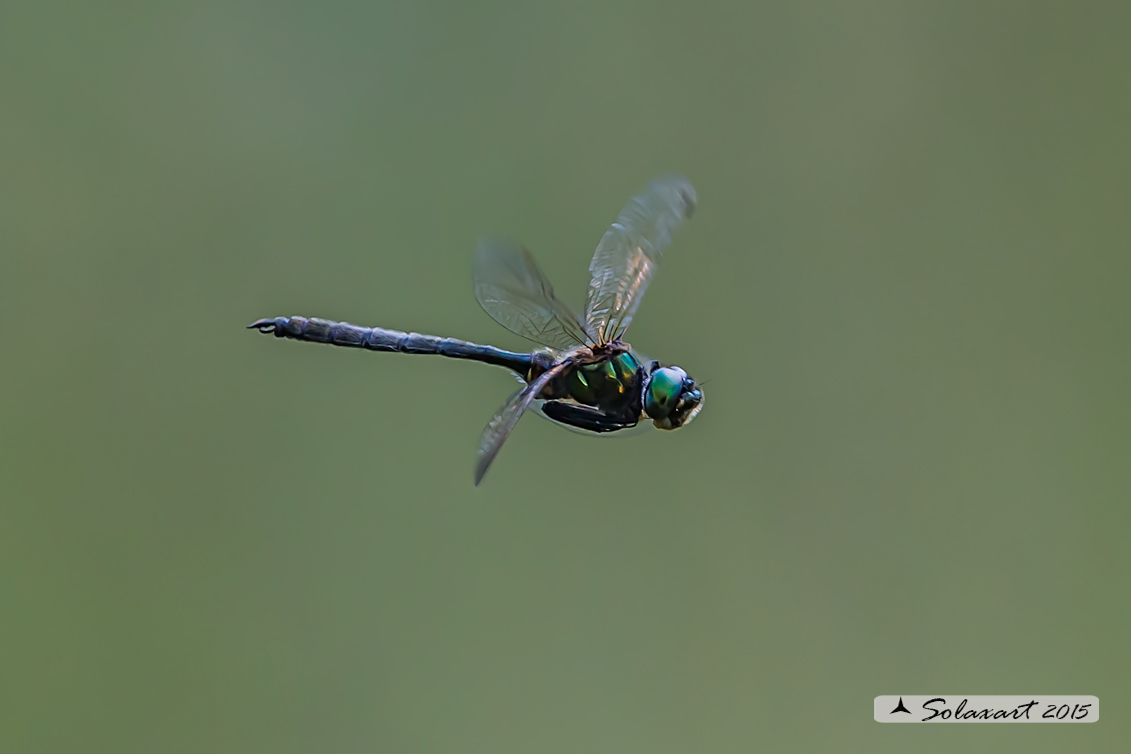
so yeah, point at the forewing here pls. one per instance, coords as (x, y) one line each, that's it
(516, 294)
(626, 258)
(500, 426)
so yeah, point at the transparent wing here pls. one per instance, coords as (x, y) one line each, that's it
(506, 417)
(516, 294)
(626, 258)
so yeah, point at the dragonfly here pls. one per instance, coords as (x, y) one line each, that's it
(583, 375)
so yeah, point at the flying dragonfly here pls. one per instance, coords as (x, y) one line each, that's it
(584, 376)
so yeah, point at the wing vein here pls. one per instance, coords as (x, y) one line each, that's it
(626, 257)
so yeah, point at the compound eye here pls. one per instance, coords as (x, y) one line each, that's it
(664, 390)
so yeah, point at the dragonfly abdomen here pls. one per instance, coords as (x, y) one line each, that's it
(317, 330)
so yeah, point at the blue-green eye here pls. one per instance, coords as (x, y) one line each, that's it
(663, 391)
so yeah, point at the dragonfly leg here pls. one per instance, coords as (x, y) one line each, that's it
(584, 417)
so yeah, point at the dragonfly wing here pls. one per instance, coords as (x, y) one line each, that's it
(504, 420)
(515, 293)
(626, 258)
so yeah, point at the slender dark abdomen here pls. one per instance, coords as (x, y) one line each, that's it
(379, 339)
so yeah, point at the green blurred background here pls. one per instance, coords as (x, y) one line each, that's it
(906, 285)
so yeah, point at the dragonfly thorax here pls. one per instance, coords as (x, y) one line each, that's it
(611, 384)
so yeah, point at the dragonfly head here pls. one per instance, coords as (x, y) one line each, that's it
(671, 398)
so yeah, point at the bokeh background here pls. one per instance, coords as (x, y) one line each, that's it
(906, 284)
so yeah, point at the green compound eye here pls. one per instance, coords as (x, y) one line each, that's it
(663, 391)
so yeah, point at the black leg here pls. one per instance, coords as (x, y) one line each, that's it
(584, 417)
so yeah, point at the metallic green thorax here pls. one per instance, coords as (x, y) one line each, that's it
(611, 385)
